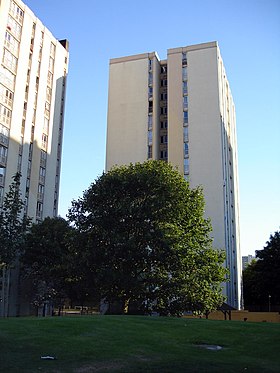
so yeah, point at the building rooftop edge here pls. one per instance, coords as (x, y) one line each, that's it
(141, 56)
(211, 44)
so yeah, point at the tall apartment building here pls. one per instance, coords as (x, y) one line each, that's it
(246, 260)
(32, 89)
(33, 69)
(181, 110)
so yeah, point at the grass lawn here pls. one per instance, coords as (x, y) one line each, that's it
(137, 344)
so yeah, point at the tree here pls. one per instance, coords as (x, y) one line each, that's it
(52, 263)
(147, 240)
(13, 224)
(261, 279)
(13, 227)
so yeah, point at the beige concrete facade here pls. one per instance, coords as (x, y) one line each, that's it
(181, 110)
(33, 70)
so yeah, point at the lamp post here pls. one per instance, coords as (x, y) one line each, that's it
(269, 297)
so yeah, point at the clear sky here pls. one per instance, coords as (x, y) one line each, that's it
(248, 33)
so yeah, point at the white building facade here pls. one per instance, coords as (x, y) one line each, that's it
(181, 110)
(33, 70)
(32, 90)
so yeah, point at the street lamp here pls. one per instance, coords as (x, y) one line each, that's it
(269, 303)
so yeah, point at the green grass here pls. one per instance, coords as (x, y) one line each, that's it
(137, 344)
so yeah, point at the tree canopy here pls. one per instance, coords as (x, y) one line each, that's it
(147, 242)
(261, 279)
(52, 263)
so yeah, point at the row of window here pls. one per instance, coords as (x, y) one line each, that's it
(185, 115)
(150, 109)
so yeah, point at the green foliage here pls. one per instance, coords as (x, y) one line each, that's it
(13, 225)
(51, 261)
(147, 241)
(262, 277)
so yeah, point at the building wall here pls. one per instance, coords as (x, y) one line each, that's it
(200, 137)
(40, 70)
(127, 111)
(33, 69)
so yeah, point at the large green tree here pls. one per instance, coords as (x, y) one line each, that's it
(261, 279)
(147, 241)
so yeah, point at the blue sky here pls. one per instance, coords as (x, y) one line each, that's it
(248, 33)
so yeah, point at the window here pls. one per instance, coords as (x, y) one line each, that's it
(39, 210)
(2, 175)
(50, 79)
(38, 68)
(186, 134)
(184, 73)
(6, 96)
(14, 27)
(4, 130)
(11, 43)
(163, 110)
(163, 154)
(186, 166)
(16, 12)
(150, 78)
(9, 60)
(163, 124)
(3, 155)
(42, 38)
(150, 65)
(1, 195)
(43, 158)
(185, 88)
(185, 102)
(41, 190)
(34, 116)
(22, 127)
(150, 137)
(163, 139)
(5, 115)
(163, 96)
(7, 78)
(52, 50)
(42, 175)
(150, 92)
(51, 64)
(44, 141)
(42, 171)
(184, 58)
(186, 149)
(47, 109)
(32, 133)
(163, 82)
(49, 94)
(24, 109)
(150, 107)
(150, 152)
(30, 150)
(150, 122)
(46, 125)
(186, 117)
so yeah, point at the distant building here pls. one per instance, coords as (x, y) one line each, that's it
(33, 73)
(246, 260)
(181, 110)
